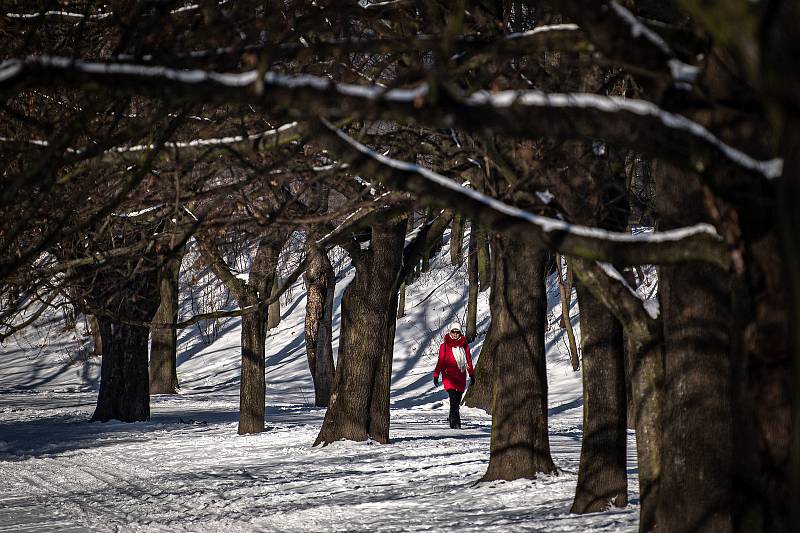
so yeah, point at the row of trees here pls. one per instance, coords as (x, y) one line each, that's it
(132, 128)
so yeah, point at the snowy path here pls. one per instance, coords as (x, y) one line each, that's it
(67, 474)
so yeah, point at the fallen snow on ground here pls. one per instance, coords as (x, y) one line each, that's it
(187, 469)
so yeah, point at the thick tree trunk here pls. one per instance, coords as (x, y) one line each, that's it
(320, 282)
(381, 388)
(124, 380)
(359, 404)
(124, 392)
(646, 374)
(780, 448)
(602, 476)
(520, 446)
(779, 325)
(472, 275)
(697, 486)
(164, 341)
(252, 387)
(647, 391)
(457, 241)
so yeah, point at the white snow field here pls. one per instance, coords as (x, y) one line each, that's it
(186, 469)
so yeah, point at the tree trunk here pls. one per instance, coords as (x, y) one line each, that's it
(164, 341)
(565, 294)
(484, 260)
(631, 351)
(401, 306)
(697, 481)
(123, 376)
(472, 275)
(320, 281)
(435, 249)
(781, 451)
(457, 241)
(520, 446)
(647, 391)
(252, 387)
(480, 395)
(602, 475)
(359, 405)
(97, 338)
(274, 314)
(70, 317)
(646, 374)
(124, 380)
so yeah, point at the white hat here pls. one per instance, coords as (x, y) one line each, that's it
(455, 325)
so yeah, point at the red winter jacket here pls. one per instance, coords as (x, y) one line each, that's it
(454, 379)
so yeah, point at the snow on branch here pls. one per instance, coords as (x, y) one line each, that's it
(699, 243)
(639, 29)
(58, 14)
(529, 114)
(614, 104)
(650, 305)
(607, 285)
(274, 137)
(71, 16)
(622, 37)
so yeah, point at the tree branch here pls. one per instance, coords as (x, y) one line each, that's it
(700, 242)
(731, 173)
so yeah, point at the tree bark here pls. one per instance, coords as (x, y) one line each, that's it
(647, 373)
(124, 380)
(565, 294)
(401, 305)
(123, 391)
(484, 260)
(647, 390)
(457, 241)
(472, 275)
(274, 313)
(250, 294)
(97, 338)
(602, 476)
(520, 447)
(164, 341)
(359, 402)
(437, 245)
(697, 476)
(320, 283)
(252, 387)
(481, 394)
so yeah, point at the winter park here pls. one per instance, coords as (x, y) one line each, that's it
(357, 266)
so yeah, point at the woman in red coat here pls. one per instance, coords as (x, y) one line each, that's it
(454, 363)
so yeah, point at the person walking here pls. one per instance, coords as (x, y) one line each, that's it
(454, 363)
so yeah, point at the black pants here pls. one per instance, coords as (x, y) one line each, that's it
(455, 403)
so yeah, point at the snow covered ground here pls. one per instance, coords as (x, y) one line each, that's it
(186, 469)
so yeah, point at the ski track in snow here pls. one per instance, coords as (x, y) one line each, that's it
(187, 470)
